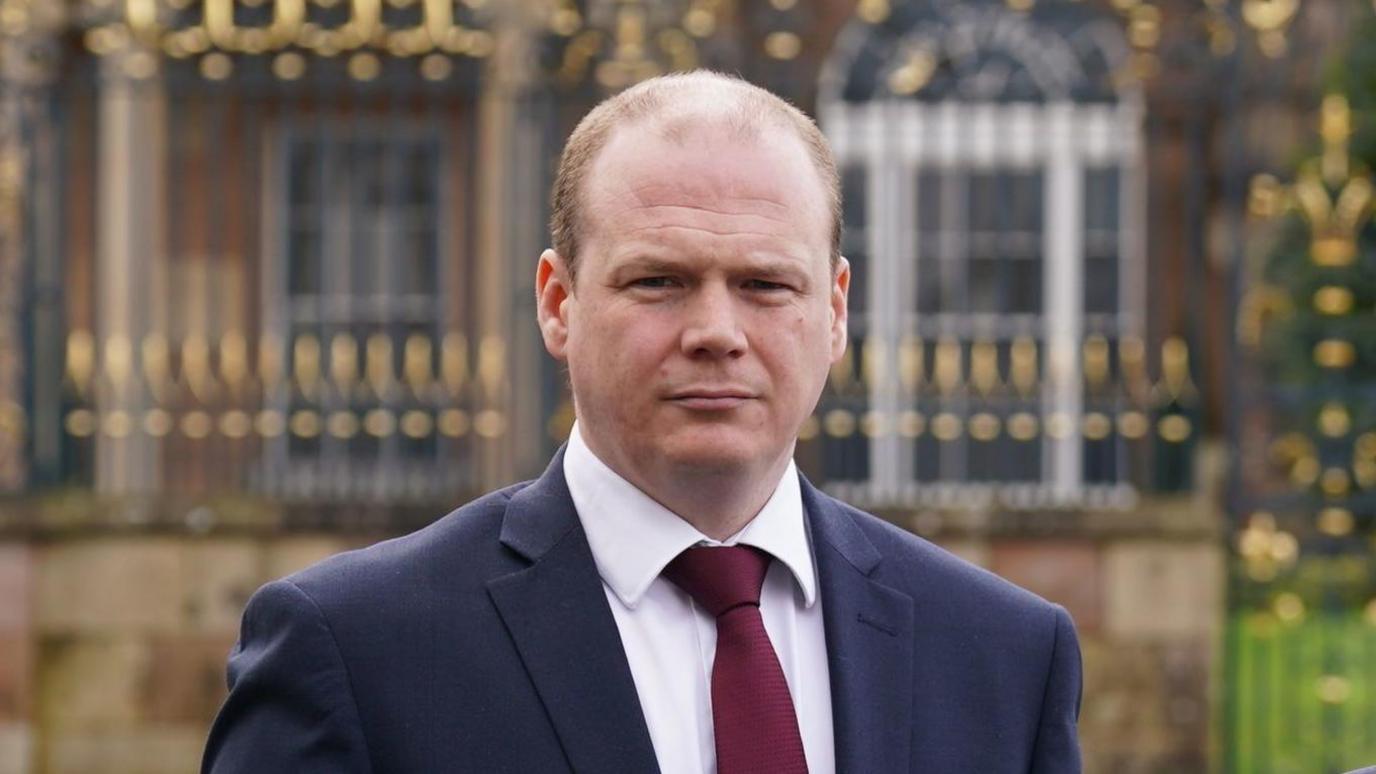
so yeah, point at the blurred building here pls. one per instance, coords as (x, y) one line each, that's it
(266, 293)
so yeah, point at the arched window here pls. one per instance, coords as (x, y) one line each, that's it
(992, 165)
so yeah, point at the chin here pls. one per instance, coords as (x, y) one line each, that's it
(715, 452)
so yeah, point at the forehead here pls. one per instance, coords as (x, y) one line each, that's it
(720, 170)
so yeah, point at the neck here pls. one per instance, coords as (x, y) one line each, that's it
(718, 501)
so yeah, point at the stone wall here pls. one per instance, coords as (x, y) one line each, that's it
(112, 646)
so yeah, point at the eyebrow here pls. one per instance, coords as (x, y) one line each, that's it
(767, 268)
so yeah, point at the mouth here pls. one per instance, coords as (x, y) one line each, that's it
(707, 399)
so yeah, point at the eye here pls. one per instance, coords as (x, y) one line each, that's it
(653, 282)
(764, 285)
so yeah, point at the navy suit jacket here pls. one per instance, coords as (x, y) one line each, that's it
(484, 643)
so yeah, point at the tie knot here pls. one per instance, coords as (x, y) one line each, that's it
(720, 578)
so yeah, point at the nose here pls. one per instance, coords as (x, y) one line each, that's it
(712, 329)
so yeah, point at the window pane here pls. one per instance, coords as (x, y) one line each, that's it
(1101, 241)
(1025, 286)
(303, 261)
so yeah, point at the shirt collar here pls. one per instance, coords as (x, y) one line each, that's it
(633, 538)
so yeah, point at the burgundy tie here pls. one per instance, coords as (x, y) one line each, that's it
(752, 712)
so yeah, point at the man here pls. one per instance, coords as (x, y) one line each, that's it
(670, 594)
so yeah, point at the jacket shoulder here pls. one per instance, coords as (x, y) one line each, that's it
(918, 567)
(460, 546)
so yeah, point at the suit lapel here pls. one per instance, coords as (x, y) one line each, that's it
(869, 631)
(557, 614)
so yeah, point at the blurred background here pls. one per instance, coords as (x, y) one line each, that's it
(266, 294)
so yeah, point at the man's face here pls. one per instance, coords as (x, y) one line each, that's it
(706, 313)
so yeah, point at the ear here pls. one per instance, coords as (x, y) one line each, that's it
(840, 292)
(553, 290)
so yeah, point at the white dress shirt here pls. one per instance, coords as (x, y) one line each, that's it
(669, 641)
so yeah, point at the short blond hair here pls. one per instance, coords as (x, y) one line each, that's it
(744, 106)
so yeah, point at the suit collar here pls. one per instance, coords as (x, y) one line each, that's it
(870, 642)
(633, 537)
(541, 514)
(556, 613)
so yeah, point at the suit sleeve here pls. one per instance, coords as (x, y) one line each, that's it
(1057, 749)
(290, 706)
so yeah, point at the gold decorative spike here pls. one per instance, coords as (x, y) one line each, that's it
(1096, 361)
(948, 366)
(1335, 127)
(306, 370)
(873, 362)
(378, 364)
(196, 372)
(344, 362)
(564, 20)
(416, 359)
(1270, 18)
(1144, 26)
(454, 363)
(1023, 358)
(119, 361)
(234, 361)
(436, 25)
(1334, 221)
(1132, 365)
(142, 18)
(1175, 368)
(492, 368)
(984, 368)
(288, 20)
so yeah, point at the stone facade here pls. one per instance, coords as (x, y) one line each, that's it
(112, 649)
(113, 646)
